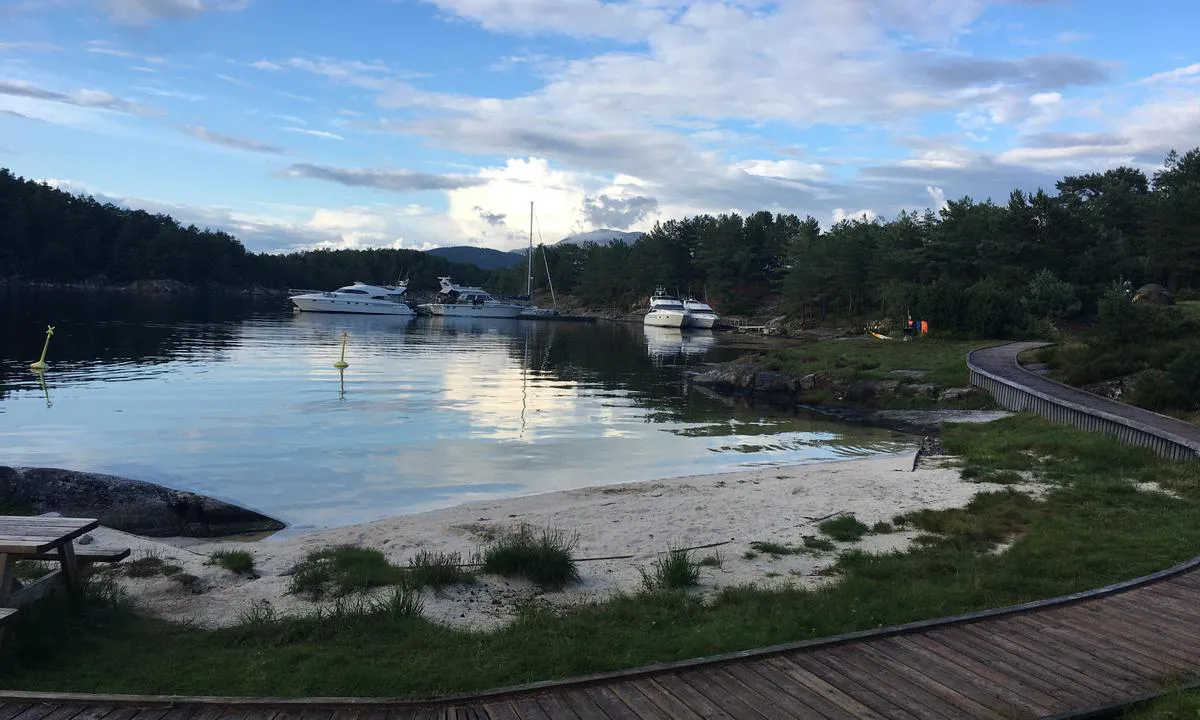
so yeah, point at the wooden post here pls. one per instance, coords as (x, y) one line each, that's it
(70, 570)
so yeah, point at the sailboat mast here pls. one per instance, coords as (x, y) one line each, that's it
(529, 264)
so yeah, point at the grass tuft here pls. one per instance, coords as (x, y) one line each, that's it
(882, 528)
(674, 571)
(149, 565)
(545, 556)
(235, 561)
(817, 543)
(339, 571)
(437, 569)
(714, 559)
(844, 528)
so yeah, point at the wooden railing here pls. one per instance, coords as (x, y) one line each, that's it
(997, 371)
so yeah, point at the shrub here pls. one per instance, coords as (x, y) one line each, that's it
(235, 561)
(844, 528)
(673, 571)
(545, 557)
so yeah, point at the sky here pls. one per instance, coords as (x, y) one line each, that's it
(424, 123)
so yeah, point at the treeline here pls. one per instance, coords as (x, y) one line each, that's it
(977, 267)
(51, 235)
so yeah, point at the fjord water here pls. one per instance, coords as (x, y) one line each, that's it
(239, 399)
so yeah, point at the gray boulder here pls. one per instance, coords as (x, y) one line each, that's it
(957, 394)
(133, 506)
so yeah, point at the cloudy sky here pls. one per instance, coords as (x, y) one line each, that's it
(417, 123)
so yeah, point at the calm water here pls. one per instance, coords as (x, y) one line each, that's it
(240, 400)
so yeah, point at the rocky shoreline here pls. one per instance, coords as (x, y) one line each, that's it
(132, 506)
(857, 401)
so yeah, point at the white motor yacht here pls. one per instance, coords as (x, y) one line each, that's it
(458, 301)
(700, 314)
(665, 311)
(358, 298)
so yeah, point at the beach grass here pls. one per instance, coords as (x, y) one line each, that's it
(844, 528)
(437, 570)
(235, 561)
(1090, 526)
(676, 570)
(545, 556)
(342, 570)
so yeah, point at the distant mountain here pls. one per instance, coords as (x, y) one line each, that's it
(601, 237)
(481, 257)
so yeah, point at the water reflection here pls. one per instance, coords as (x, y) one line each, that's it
(430, 411)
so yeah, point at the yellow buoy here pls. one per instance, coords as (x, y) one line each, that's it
(342, 364)
(40, 365)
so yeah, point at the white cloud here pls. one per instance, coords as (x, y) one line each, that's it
(316, 133)
(840, 215)
(1188, 73)
(202, 133)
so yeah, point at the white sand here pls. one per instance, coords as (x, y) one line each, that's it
(779, 504)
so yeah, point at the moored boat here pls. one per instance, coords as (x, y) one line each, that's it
(358, 298)
(665, 311)
(460, 301)
(700, 314)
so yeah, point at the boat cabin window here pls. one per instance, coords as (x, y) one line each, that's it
(352, 291)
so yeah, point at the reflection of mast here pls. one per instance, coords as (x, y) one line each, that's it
(524, 383)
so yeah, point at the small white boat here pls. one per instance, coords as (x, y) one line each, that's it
(700, 314)
(458, 301)
(358, 298)
(665, 311)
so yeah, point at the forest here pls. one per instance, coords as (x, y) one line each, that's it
(975, 268)
(47, 234)
(981, 268)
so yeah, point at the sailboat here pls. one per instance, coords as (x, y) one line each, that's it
(537, 312)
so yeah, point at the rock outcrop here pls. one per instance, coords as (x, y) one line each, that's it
(133, 506)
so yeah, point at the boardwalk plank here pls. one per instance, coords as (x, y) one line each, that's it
(1102, 648)
(612, 706)
(642, 706)
(1138, 630)
(868, 695)
(527, 708)
(555, 706)
(670, 704)
(863, 668)
(764, 700)
(1040, 672)
(8, 711)
(691, 697)
(501, 710)
(955, 703)
(705, 683)
(1070, 663)
(584, 705)
(973, 701)
(1012, 698)
(777, 700)
(37, 711)
(818, 685)
(816, 704)
(1133, 642)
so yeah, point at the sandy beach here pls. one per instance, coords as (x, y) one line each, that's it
(636, 521)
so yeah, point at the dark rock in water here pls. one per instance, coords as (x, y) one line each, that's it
(132, 506)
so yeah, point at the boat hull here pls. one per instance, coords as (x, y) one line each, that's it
(474, 311)
(665, 318)
(355, 307)
(701, 320)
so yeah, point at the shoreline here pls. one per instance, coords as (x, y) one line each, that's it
(620, 528)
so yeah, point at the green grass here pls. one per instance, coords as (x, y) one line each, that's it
(16, 508)
(235, 561)
(714, 559)
(544, 556)
(339, 571)
(1176, 706)
(944, 361)
(844, 528)
(676, 570)
(150, 565)
(1091, 528)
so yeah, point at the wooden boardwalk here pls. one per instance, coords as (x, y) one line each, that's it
(1072, 656)
(996, 370)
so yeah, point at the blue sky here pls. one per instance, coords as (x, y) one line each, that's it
(416, 123)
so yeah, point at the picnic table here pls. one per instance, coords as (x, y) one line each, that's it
(47, 539)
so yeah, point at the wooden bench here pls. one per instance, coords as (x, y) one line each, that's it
(85, 554)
